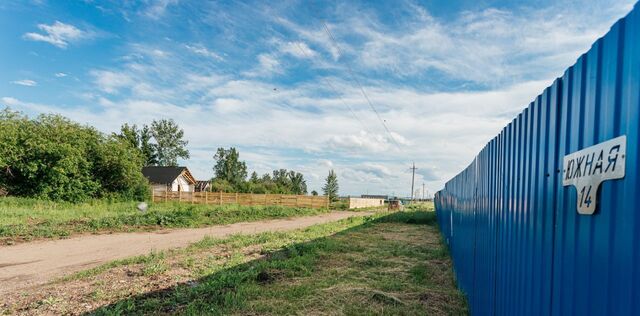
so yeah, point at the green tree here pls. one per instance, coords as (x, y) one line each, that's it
(222, 185)
(117, 167)
(314, 193)
(330, 187)
(297, 182)
(228, 167)
(254, 177)
(170, 144)
(140, 139)
(52, 157)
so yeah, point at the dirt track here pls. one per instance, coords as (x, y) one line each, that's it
(35, 263)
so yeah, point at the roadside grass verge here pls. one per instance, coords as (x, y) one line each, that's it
(385, 263)
(24, 219)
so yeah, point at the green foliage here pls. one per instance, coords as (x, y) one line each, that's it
(231, 174)
(229, 168)
(140, 139)
(289, 181)
(170, 144)
(53, 158)
(331, 187)
(221, 185)
(314, 193)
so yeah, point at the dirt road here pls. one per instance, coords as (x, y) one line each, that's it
(30, 264)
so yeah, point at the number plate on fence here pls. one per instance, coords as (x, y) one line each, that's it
(587, 168)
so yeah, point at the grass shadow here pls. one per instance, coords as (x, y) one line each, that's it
(230, 290)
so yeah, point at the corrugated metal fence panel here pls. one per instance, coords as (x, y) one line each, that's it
(518, 244)
(596, 257)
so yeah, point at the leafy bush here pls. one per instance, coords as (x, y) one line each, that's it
(54, 158)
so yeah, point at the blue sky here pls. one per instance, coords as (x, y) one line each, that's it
(267, 78)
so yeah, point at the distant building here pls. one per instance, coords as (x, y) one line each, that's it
(373, 196)
(170, 179)
(202, 185)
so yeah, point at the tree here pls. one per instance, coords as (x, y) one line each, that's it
(117, 167)
(297, 182)
(140, 139)
(54, 158)
(330, 187)
(170, 144)
(229, 167)
(254, 177)
(314, 193)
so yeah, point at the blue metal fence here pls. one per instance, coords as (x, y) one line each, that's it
(518, 244)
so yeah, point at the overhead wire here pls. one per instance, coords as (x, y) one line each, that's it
(364, 93)
(335, 91)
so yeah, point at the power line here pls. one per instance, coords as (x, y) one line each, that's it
(351, 73)
(335, 91)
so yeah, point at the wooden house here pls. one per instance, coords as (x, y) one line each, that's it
(171, 179)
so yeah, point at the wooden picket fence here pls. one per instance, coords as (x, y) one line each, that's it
(220, 198)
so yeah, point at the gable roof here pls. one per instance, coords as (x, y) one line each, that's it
(202, 184)
(162, 175)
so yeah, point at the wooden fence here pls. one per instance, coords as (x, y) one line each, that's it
(220, 198)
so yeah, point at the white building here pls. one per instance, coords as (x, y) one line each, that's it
(170, 178)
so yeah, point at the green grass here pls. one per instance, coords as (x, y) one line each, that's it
(393, 264)
(25, 219)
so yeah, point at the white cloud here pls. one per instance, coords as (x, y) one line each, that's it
(268, 65)
(203, 51)
(10, 101)
(307, 127)
(491, 47)
(297, 49)
(60, 74)
(25, 82)
(58, 34)
(326, 163)
(158, 8)
(358, 142)
(110, 81)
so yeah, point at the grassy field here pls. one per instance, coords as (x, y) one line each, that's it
(384, 264)
(26, 219)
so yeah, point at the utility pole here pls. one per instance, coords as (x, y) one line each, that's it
(423, 191)
(413, 177)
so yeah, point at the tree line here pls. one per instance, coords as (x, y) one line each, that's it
(230, 175)
(54, 158)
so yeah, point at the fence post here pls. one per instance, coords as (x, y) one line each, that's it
(179, 195)
(165, 195)
(152, 195)
(206, 197)
(220, 198)
(192, 196)
(237, 198)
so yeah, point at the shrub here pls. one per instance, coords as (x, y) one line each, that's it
(54, 158)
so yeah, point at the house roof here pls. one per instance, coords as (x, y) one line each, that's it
(202, 184)
(162, 175)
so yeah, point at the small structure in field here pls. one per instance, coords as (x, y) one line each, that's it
(375, 196)
(202, 186)
(395, 205)
(170, 179)
(365, 202)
